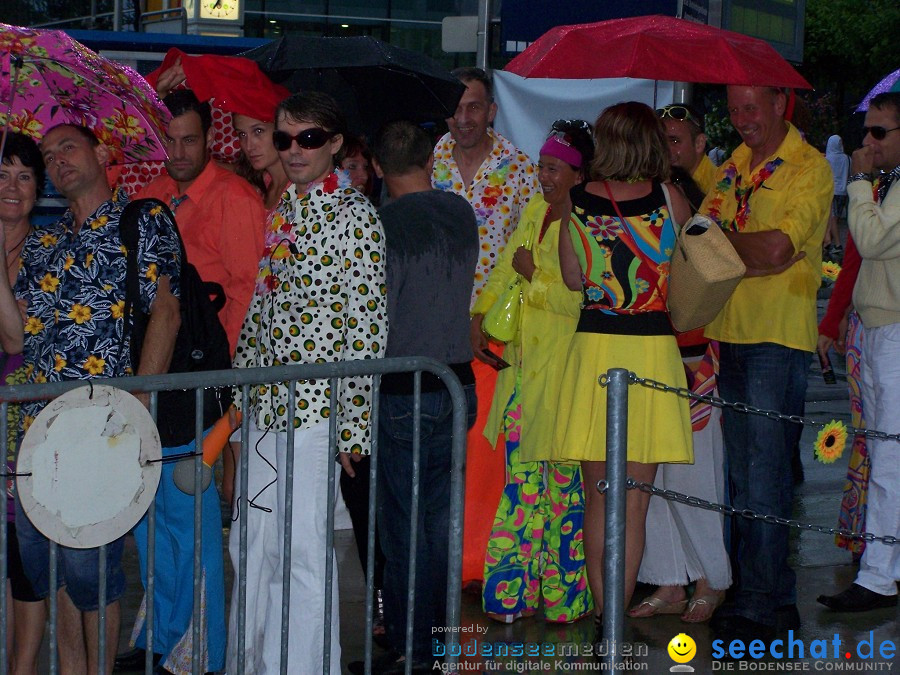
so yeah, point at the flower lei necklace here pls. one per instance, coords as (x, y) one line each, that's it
(281, 233)
(741, 194)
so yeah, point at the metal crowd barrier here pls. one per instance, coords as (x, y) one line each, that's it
(243, 380)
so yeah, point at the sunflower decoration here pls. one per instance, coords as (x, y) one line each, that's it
(831, 441)
(830, 270)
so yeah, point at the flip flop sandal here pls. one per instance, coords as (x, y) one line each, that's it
(658, 606)
(713, 600)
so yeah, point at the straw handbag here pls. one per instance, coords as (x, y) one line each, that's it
(704, 271)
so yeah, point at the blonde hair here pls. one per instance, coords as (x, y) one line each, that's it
(630, 144)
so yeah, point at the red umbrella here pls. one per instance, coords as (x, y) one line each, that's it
(232, 85)
(655, 48)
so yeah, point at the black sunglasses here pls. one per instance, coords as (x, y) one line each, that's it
(561, 136)
(309, 139)
(678, 112)
(878, 133)
(566, 126)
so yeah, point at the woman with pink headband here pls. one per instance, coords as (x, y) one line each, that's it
(535, 550)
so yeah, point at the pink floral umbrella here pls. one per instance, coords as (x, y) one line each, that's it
(48, 78)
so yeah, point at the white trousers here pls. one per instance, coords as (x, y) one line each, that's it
(265, 552)
(879, 569)
(685, 543)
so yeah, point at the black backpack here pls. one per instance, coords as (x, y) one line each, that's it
(201, 344)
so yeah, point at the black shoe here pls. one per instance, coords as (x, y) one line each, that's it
(857, 599)
(133, 659)
(737, 627)
(787, 618)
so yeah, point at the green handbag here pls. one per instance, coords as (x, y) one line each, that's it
(503, 319)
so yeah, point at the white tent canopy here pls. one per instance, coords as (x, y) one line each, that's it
(528, 106)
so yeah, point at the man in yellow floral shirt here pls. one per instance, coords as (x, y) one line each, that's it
(497, 179)
(772, 198)
(72, 280)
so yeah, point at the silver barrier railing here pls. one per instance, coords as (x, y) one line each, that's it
(243, 380)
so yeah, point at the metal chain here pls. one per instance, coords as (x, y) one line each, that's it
(673, 496)
(747, 408)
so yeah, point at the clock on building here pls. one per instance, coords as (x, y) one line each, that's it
(229, 10)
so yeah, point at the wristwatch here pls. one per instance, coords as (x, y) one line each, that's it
(859, 176)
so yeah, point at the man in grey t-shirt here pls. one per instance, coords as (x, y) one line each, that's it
(432, 248)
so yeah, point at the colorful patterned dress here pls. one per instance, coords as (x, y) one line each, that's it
(623, 324)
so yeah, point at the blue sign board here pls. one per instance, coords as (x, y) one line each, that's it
(523, 21)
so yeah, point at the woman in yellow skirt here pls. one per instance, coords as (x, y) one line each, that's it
(616, 251)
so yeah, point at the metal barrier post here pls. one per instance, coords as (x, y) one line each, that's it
(242, 531)
(413, 519)
(54, 608)
(151, 563)
(614, 542)
(198, 533)
(457, 490)
(333, 385)
(288, 532)
(373, 508)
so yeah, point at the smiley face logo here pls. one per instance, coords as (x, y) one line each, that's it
(682, 648)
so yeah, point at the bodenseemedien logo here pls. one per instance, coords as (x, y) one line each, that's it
(682, 649)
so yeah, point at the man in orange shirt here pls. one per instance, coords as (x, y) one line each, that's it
(221, 219)
(220, 216)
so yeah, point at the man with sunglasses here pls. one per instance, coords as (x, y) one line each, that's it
(874, 219)
(772, 198)
(320, 298)
(498, 180)
(687, 144)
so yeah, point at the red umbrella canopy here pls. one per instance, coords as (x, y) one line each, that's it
(232, 84)
(655, 48)
(48, 78)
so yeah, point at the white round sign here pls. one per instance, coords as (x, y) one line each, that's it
(88, 455)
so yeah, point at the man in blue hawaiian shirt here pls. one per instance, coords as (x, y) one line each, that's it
(72, 287)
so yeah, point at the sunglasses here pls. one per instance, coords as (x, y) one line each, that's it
(678, 112)
(561, 136)
(568, 125)
(309, 139)
(878, 133)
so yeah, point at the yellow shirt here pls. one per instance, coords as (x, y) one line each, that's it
(795, 199)
(705, 175)
(549, 315)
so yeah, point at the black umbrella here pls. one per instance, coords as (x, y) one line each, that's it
(374, 82)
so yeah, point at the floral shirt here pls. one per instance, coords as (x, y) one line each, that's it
(74, 284)
(502, 187)
(320, 297)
